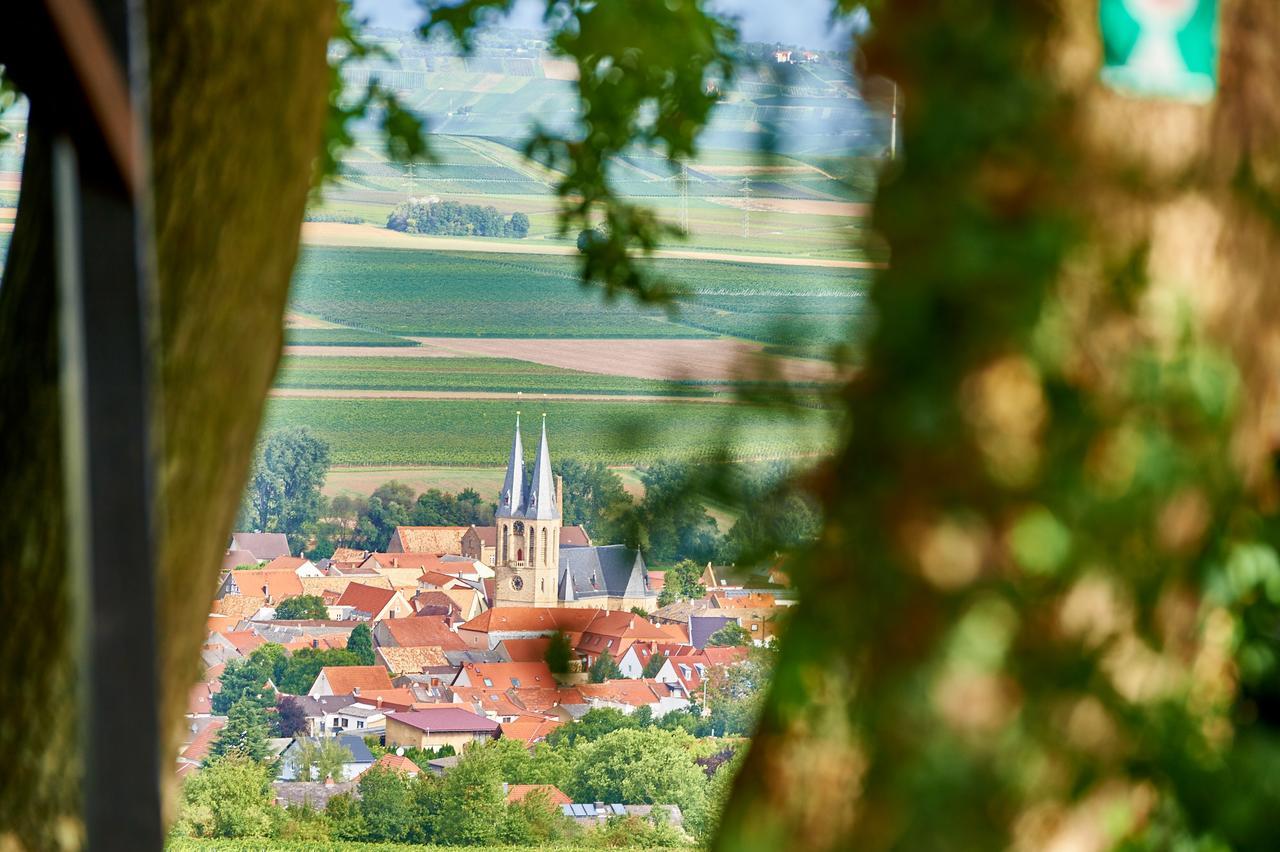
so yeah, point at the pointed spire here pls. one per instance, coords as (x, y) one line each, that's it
(542, 490)
(511, 498)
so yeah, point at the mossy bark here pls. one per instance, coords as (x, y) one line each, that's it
(238, 104)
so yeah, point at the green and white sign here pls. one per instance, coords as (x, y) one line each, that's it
(1161, 48)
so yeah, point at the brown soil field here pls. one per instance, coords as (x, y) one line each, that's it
(361, 393)
(370, 236)
(714, 359)
(292, 320)
(795, 205)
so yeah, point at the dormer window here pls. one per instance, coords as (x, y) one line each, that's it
(488, 682)
(515, 681)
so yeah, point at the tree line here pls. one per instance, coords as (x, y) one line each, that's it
(454, 219)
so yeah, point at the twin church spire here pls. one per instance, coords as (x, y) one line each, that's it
(536, 498)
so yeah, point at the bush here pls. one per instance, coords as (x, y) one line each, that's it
(231, 797)
(449, 218)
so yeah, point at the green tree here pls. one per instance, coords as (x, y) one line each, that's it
(671, 522)
(243, 679)
(230, 797)
(346, 821)
(245, 732)
(283, 494)
(683, 581)
(519, 225)
(595, 498)
(302, 608)
(388, 507)
(386, 803)
(471, 800)
(639, 766)
(732, 635)
(536, 821)
(360, 643)
(605, 668)
(297, 674)
(320, 759)
(653, 665)
(592, 726)
(559, 653)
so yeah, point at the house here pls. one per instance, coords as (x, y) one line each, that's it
(639, 654)
(481, 543)
(272, 586)
(529, 730)
(398, 763)
(312, 794)
(614, 633)
(234, 559)
(353, 680)
(692, 668)
(356, 717)
(525, 650)
(436, 727)
(263, 546)
(418, 659)
(418, 631)
(502, 676)
(703, 627)
(630, 695)
(360, 760)
(298, 565)
(320, 711)
(498, 624)
(370, 603)
(516, 792)
(437, 540)
(609, 577)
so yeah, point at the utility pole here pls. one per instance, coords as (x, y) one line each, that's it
(746, 206)
(410, 178)
(684, 197)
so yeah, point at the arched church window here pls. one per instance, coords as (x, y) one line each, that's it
(544, 545)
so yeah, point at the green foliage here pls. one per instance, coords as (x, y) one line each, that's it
(471, 801)
(302, 608)
(595, 498)
(389, 431)
(387, 805)
(536, 821)
(283, 494)
(346, 821)
(604, 668)
(638, 766)
(230, 797)
(245, 679)
(296, 674)
(319, 759)
(244, 733)
(672, 523)
(360, 643)
(290, 719)
(559, 653)
(703, 821)
(592, 726)
(653, 665)
(682, 581)
(731, 635)
(437, 508)
(776, 517)
(450, 218)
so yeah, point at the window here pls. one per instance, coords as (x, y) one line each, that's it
(359, 724)
(515, 681)
(544, 545)
(488, 682)
(755, 628)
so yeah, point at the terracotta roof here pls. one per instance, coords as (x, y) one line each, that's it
(233, 559)
(516, 792)
(285, 563)
(430, 539)
(364, 598)
(345, 679)
(625, 624)
(530, 619)
(439, 599)
(636, 693)
(348, 554)
(657, 579)
(488, 536)
(397, 762)
(198, 749)
(320, 585)
(421, 561)
(199, 700)
(527, 650)
(540, 699)
(280, 584)
(574, 536)
(724, 656)
(439, 579)
(446, 720)
(411, 660)
(508, 675)
(676, 632)
(244, 640)
(239, 606)
(393, 700)
(423, 630)
(487, 700)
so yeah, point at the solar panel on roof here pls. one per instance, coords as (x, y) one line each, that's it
(618, 809)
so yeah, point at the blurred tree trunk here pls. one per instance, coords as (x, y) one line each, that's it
(1151, 223)
(238, 104)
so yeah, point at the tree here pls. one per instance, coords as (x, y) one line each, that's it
(290, 719)
(387, 508)
(559, 653)
(592, 726)
(360, 643)
(519, 225)
(297, 674)
(230, 797)
(595, 498)
(671, 522)
(639, 766)
(703, 821)
(536, 821)
(732, 635)
(653, 665)
(346, 820)
(320, 759)
(471, 800)
(302, 608)
(386, 803)
(283, 494)
(245, 732)
(683, 581)
(605, 668)
(243, 680)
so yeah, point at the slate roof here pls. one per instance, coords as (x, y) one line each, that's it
(613, 570)
(702, 626)
(265, 546)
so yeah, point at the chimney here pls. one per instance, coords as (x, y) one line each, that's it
(379, 700)
(560, 495)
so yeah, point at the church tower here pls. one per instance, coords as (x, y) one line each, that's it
(528, 520)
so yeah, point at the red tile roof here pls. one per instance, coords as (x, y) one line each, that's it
(280, 584)
(429, 539)
(285, 563)
(364, 598)
(527, 650)
(244, 641)
(424, 561)
(198, 749)
(636, 693)
(516, 792)
(507, 675)
(397, 762)
(446, 720)
(423, 630)
(346, 679)
(531, 619)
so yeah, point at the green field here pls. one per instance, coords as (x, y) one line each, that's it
(189, 844)
(501, 375)
(341, 337)
(478, 432)
(455, 294)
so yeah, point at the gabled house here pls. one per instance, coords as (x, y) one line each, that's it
(350, 680)
(438, 540)
(297, 564)
(630, 695)
(360, 757)
(436, 727)
(502, 676)
(369, 603)
(271, 586)
(263, 546)
(417, 631)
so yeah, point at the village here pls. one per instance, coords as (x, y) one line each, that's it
(524, 640)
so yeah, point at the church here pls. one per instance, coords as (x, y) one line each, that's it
(536, 566)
